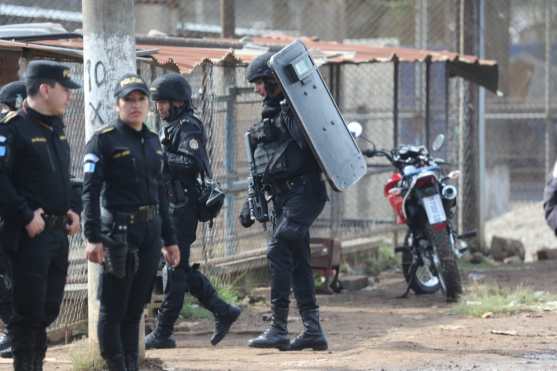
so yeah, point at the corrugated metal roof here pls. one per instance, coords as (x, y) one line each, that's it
(38, 12)
(42, 51)
(483, 72)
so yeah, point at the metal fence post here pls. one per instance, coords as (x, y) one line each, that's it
(469, 183)
(230, 168)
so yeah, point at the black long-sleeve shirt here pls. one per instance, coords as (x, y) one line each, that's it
(34, 166)
(128, 164)
(184, 143)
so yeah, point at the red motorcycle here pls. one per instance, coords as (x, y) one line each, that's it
(422, 198)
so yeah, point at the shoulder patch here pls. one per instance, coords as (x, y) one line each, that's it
(193, 144)
(105, 130)
(9, 117)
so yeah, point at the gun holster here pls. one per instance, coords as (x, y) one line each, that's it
(177, 193)
(120, 260)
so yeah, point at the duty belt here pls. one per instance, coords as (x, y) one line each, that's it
(142, 214)
(54, 222)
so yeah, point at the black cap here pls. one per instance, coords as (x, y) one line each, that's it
(51, 70)
(12, 92)
(130, 83)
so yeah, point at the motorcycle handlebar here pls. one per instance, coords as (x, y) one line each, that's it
(398, 161)
(369, 152)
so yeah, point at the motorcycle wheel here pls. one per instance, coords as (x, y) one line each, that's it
(447, 262)
(423, 281)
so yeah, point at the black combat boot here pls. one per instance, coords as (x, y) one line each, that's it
(6, 345)
(275, 336)
(225, 314)
(224, 318)
(115, 363)
(24, 362)
(156, 340)
(5, 341)
(132, 362)
(6, 338)
(313, 336)
(7, 353)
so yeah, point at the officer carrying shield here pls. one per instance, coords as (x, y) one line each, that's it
(125, 160)
(285, 166)
(37, 207)
(184, 143)
(11, 98)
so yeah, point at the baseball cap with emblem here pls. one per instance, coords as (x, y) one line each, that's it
(40, 69)
(130, 83)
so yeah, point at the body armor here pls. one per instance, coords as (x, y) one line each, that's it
(184, 144)
(277, 155)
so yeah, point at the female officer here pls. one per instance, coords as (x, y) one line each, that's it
(125, 160)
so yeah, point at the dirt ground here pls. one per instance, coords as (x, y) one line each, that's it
(372, 329)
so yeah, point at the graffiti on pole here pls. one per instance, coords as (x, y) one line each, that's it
(97, 76)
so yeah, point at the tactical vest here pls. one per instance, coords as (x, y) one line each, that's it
(276, 155)
(184, 144)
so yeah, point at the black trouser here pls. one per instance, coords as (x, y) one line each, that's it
(6, 282)
(39, 271)
(123, 300)
(184, 278)
(289, 256)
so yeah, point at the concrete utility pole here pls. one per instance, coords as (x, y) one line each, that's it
(227, 18)
(469, 143)
(108, 53)
(550, 132)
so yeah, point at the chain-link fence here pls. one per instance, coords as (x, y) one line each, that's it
(517, 123)
(513, 32)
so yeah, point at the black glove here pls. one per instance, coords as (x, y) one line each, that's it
(245, 217)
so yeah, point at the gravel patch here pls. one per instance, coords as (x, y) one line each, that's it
(525, 222)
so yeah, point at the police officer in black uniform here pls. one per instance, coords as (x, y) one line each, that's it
(37, 207)
(11, 98)
(550, 200)
(184, 142)
(292, 177)
(127, 160)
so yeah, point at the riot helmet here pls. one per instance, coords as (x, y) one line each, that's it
(12, 94)
(259, 69)
(210, 201)
(172, 87)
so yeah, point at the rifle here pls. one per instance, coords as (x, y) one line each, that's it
(256, 193)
